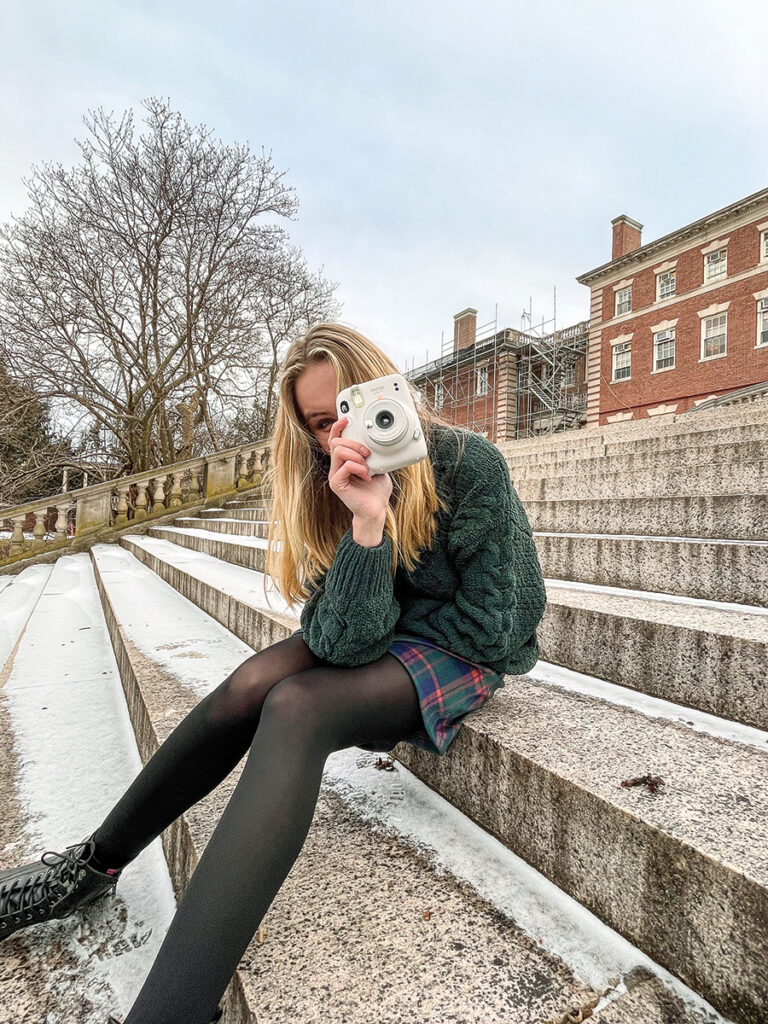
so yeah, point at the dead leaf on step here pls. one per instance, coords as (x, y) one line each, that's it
(651, 781)
(261, 934)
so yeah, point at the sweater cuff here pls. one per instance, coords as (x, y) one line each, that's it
(355, 566)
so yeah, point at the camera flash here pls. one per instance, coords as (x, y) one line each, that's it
(357, 397)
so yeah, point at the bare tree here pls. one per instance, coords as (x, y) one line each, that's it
(147, 286)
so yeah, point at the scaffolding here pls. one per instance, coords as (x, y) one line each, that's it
(548, 398)
(508, 383)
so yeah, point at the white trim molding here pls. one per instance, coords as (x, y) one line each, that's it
(665, 325)
(721, 243)
(669, 265)
(622, 338)
(660, 410)
(714, 309)
(760, 295)
(763, 226)
(625, 282)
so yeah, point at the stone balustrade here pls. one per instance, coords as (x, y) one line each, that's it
(120, 503)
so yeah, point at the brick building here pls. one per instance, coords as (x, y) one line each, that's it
(505, 383)
(682, 319)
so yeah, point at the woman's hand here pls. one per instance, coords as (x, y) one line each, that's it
(366, 496)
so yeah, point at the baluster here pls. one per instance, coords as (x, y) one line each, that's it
(61, 522)
(122, 504)
(194, 483)
(158, 495)
(255, 466)
(243, 477)
(38, 530)
(175, 496)
(17, 537)
(140, 509)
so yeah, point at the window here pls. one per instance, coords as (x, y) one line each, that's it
(762, 322)
(664, 350)
(713, 335)
(482, 380)
(665, 285)
(623, 301)
(764, 246)
(569, 376)
(715, 264)
(622, 360)
(439, 395)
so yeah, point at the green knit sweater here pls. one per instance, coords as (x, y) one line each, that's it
(478, 591)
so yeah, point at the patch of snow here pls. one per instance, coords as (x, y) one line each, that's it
(77, 755)
(170, 630)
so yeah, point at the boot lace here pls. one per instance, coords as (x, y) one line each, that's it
(35, 892)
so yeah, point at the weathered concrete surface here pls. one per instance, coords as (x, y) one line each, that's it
(682, 872)
(700, 656)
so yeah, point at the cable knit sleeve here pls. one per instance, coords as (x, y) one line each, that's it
(501, 595)
(350, 617)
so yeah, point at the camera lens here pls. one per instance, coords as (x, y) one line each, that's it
(384, 419)
(344, 406)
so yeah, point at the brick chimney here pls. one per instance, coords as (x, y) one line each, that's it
(464, 329)
(626, 236)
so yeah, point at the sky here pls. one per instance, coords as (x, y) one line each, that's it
(444, 154)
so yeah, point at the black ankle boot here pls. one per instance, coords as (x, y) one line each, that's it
(52, 888)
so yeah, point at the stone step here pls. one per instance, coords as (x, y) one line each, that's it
(718, 516)
(682, 872)
(67, 752)
(725, 454)
(705, 655)
(342, 969)
(611, 481)
(539, 763)
(725, 419)
(670, 447)
(219, 524)
(698, 654)
(715, 570)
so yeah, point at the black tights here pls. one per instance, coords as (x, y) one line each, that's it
(293, 710)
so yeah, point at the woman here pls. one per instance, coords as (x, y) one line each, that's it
(422, 588)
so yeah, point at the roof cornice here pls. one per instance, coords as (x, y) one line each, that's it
(666, 241)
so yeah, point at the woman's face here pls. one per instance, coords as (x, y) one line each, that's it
(315, 391)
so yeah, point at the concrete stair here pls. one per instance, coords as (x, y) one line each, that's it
(653, 654)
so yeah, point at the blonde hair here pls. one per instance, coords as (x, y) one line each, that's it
(307, 518)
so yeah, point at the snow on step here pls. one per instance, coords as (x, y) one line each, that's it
(250, 586)
(18, 597)
(74, 754)
(166, 627)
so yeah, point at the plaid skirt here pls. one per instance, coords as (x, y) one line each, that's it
(449, 689)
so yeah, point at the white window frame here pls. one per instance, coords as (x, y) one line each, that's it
(622, 349)
(666, 275)
(569, 376)
(623, 296)
(762, 323)
(764, 246)
(717, 261)
(705, 322)
(666, 337)
(439, 394)
(481, 375)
